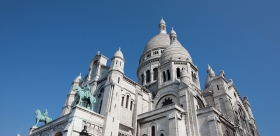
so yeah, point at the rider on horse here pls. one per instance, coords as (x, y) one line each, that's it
(87, 92)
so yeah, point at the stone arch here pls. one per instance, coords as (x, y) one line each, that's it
(200, 101)
(45, 134)
(161, 133)
(166, 96)
(160, 95)
(99, 97)
(58, 131)
(58, 134)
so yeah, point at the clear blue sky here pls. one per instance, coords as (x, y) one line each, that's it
(45, 44)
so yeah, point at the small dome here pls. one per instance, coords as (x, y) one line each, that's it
(172, 31)
(78, 78)
(175, 51)
(118, 54)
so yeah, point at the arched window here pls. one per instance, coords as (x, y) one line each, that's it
(161, 134)
(168, 75)
(153, 131)
(58, 134)
(122, 100)
(155, 71)
(164, 76)
(127, 98)
(178, 72)
(131, 104)
(142, 79)
(148, 75)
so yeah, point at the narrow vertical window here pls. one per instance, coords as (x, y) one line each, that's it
(118, 79)
(100, 106)
(148, 75)
(120, 63)
(178, 72)
(117, 62)
(142, 79)
(155, 71)
(164, 76)
(127, 98)
(131, 104)
(168, 75)
(218, 87)
(153, 131)
(122, 100)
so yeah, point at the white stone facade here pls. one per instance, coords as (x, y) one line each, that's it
(167, 100)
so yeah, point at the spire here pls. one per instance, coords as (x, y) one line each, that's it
(210, 71)
(162, 26)
(173, 36)
(210, 75)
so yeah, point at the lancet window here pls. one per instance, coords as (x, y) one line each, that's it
(155, 71)
(178, 72)
(142, 79)
(148, 76)
(164, 76)
(153, 131)
(168, 75)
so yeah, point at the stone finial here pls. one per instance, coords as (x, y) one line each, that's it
(98, 53)
(210, 71)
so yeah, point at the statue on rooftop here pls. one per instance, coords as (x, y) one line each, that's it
(84, 95)
(42, 118)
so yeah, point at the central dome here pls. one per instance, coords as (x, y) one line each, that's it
(159, 41)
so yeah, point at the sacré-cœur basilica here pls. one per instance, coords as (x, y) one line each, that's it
(167, 99)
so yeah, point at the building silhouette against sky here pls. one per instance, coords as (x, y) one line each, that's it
(167, 99)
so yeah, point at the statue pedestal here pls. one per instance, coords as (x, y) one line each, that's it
(31, 129)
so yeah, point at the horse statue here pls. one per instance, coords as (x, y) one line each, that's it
(42, 118)
(85, 95)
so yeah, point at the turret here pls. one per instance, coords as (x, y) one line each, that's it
(173, 36)
(71, 96)
(162, 26)
(117, 62)
(116, 70)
